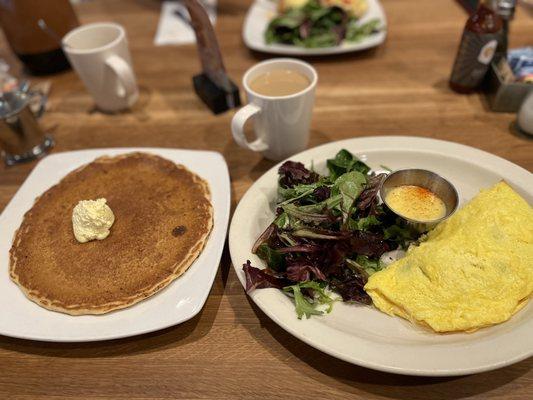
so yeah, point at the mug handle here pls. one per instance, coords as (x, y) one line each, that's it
(237, 128)
(124, 74)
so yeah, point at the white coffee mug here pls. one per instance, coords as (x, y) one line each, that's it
(99, 54)
(281, 123)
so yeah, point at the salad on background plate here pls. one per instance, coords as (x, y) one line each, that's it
(320, 23)
(314, 27)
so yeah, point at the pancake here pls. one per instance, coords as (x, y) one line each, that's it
(163, 217)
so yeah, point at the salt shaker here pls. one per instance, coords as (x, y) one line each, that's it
(525, 115)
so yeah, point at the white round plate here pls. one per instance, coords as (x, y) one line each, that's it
(262, 11)
(361, 334)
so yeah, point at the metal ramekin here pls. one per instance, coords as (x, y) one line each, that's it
(425, 179)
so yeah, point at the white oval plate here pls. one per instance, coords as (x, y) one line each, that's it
(178, 302)
(363, 335)
(262, 11)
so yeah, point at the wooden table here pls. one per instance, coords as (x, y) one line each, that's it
(231, 349)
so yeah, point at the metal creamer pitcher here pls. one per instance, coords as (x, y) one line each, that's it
(21, 137)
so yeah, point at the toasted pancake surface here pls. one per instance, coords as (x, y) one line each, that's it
(163, 217)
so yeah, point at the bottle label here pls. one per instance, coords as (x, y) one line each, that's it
(487, 52)
(473, 58)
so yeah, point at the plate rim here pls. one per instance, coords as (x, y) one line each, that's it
(217, 250)
(316, 52)
(484, 157)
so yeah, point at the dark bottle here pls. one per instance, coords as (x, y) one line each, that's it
(506, 9)
(38, 50)
(481, 35)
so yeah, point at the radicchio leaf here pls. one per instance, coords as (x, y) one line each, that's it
(350, 286)
(368, 244)
(271, 229)
(302, 248)
(322, 193)
(305, 29)
(261, 278)
(301, 272)
(369, 196)
(293, 173)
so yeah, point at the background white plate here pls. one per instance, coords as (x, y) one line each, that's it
(363, 335)
(178, 302)
(262, 11)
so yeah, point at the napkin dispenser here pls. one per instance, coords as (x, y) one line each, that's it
(504, 94)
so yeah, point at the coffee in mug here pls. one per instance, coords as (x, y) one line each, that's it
(279, 82)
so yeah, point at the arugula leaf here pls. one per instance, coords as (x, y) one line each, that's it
(363, 224)
(293, 18)
(282, 221)
(309, 307)
(298, 191)
(320, 39)
(356, 32)
(364, 263)
(399, 234)
(344, 162)
(304, 215)
(273, 258)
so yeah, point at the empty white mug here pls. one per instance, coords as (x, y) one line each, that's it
(281, 123)
(99, 54)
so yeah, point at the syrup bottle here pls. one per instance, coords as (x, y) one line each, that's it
(481, 35)
(40, 52)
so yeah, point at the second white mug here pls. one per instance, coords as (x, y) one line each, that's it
(281, 123)
(99, 53)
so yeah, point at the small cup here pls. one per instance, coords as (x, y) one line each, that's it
(427, 180)
(99, 54)
(281, 123)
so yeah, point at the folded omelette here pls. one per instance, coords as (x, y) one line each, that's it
(474, 270)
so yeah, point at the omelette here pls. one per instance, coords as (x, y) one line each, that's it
(474, 270)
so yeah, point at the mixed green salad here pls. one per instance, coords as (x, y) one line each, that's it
(329, 235)
(315, 25)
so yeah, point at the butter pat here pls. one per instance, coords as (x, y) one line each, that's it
(92, 219)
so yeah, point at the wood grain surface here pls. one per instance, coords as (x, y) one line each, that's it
(231, 349)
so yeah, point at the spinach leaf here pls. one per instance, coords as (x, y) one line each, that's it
(344, 162)
(273, 258)
(349, 186)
